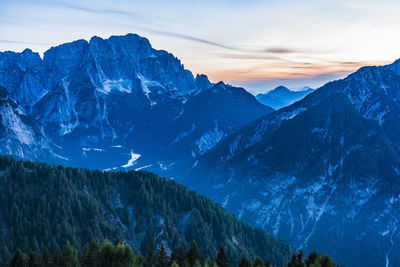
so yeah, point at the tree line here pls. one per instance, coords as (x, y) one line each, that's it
(122, 255)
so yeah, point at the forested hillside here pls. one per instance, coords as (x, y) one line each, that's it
(121, 255)
(46, 206)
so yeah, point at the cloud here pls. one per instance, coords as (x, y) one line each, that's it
(23, 42)
(155, 28)
(188, 37)
(359, 63)
(253, 52)
(281, 50)
(143, 18)
(69, 5)
(251, 56)
(94, 8)
(90, 9)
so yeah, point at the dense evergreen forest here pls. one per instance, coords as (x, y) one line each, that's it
(121, 255)
(46, 206)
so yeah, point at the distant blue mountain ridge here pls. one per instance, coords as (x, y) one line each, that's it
(281, 96)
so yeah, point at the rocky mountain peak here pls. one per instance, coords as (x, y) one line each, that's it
(281, 89)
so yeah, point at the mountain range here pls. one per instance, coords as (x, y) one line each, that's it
(320, 173)
(95, 104)
(281, 96)
(323, 172)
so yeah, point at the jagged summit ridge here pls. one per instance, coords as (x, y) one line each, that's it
(120, 97)
(119, 62)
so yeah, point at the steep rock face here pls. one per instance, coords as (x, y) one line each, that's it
(375, 92)
(102, 93)
(206, 119)
(321, 172)
(86, 76)
(22, 75)
(20, 134)
(102, 101)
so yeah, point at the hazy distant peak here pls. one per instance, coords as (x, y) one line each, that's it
(281, 88)
(281, 96)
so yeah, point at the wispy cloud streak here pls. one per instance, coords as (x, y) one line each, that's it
(24, 43)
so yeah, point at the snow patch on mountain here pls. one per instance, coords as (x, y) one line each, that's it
(146, 85)
(60, 157)
(143, 167)
(121, 85)
(377, 112)
(131, 162)
(117, 146)
(225, 202)
(184, 134)
(209, 139)
(86, 149)
(292, 114)
(258, 134)
(391, 247)
(14, 123)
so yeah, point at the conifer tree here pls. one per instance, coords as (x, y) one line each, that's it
(316, 264)
(178, 255)
(194, 254)
(118, 241)
(138, 260)
(208, 263)
(69, 256)
(186, 263)
(91, 259)
(128, 255)
(162, 256)
(84, 256)
(300, 260)
(292, 262)
(258, 262)
(57, 258)
(122, 255)
(222, 258)
(297, 260)
(46, 258)
(312, 258)
(33, 260)
(18, 259)
(105, 254)
(326, 261)
(150, 259)
(244, 262)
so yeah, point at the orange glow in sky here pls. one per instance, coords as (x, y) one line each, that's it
(256, 44)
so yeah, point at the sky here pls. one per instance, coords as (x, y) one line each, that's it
(255, 44)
